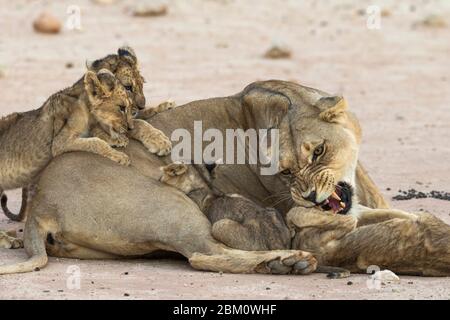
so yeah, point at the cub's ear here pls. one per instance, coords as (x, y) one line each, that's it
(265, 109)
(108, 80)
(128, 53)
(98, 85)
(109, 62)
(332, 109)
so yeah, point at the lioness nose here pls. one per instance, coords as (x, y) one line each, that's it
(312, 197)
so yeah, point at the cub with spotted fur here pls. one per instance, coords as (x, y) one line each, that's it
(29, 140)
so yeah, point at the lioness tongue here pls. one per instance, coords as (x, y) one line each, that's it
(334, 204)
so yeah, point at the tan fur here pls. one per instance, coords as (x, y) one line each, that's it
(30, 140)
(114, 218)
(402, 242)
(124, 65)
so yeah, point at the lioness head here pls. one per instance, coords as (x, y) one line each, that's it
(319, 141)
(124, 65)
(110, 103)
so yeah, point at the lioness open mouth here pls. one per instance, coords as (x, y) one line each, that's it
(340, 201)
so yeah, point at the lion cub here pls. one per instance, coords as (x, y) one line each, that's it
(236, 221)
(29, 140)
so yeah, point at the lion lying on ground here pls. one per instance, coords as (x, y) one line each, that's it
(242, 224)
(93, 212)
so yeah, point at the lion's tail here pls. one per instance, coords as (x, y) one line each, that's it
(35, 245)
(23, 208)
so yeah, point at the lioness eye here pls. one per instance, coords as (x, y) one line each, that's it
(129, 88)
(318, 151)
(286, 172)
(123, 109)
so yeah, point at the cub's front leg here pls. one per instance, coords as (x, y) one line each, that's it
(120, 142)
(67, 141)
(153, 139)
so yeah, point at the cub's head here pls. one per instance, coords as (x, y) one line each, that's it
(319, 142)
(110, 102)
(124, 65)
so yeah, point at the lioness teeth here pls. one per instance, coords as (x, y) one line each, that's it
(342, 204)
(335, 196)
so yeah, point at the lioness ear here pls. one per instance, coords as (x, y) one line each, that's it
(264, 108)
(128, 53)
(332, 109)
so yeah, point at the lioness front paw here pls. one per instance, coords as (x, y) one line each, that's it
(121, 158)
(158, 143)
(8, 242)
(294, 262)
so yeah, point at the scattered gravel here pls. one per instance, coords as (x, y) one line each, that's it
(414, 194)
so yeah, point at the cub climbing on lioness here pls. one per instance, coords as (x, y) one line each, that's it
(125, 67)
(29, 140)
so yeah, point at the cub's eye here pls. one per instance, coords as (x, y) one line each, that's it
(286, 172)
(123, 109)
(129, 88)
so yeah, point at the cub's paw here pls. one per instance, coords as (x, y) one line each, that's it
(158, 143)
(120, 142)
(121, 158)
(8, 242)
(166, 105)
(174, 169)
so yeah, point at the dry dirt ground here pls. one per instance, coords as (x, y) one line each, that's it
(395, 78)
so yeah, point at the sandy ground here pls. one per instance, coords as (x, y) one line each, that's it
(396, 80)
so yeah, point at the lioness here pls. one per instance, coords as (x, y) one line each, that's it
(242, 224)
(113, 219)
(124, 65)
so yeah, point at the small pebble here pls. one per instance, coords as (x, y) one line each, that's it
(278, 52)
(349, 283)
(150, 10)
(434, 21)
(47, 23)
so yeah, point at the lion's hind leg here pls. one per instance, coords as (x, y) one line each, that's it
(240, 261)
(406, 246)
